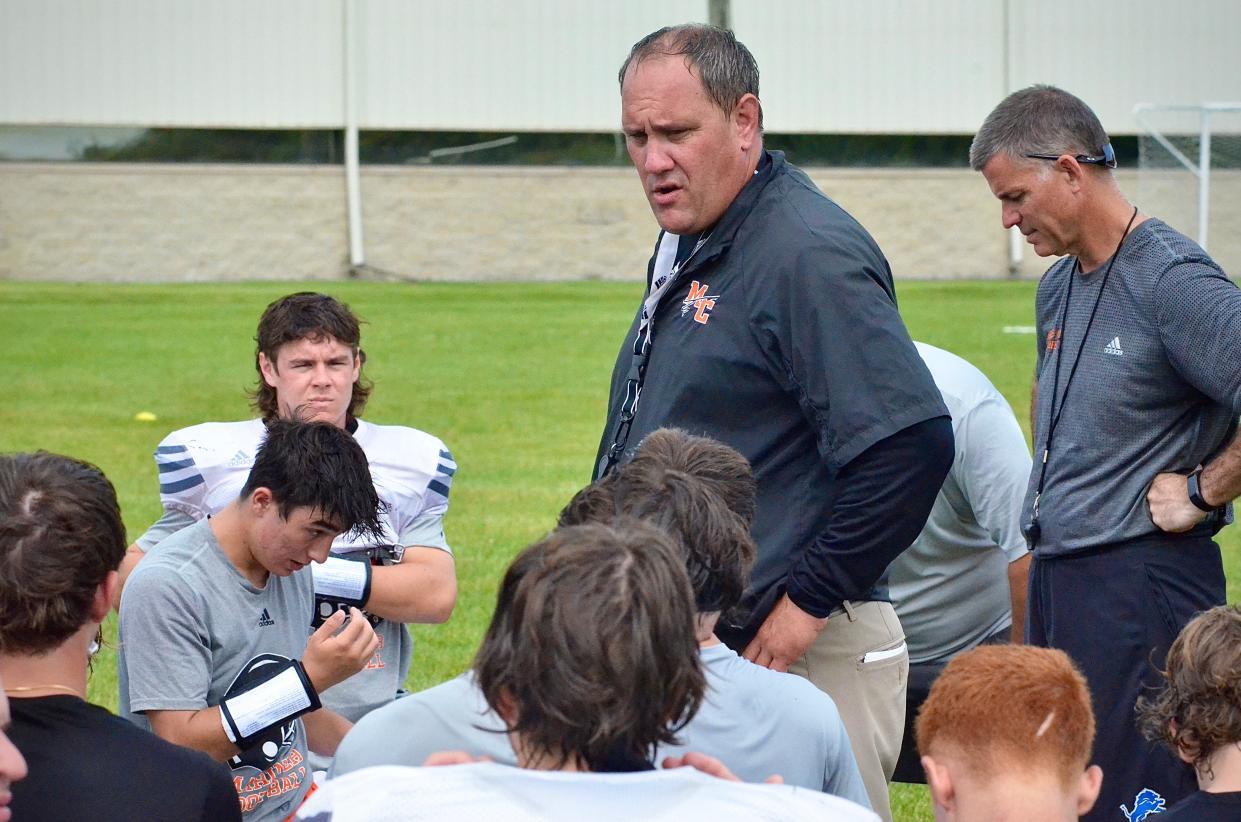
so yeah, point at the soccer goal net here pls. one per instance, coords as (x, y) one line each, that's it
(1189, 174)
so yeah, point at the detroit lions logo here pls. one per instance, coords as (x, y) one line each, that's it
(1146, 803)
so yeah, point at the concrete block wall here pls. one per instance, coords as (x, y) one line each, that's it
(176, 222)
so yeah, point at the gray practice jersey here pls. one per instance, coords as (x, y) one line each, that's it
(192, 631)
(950, 588)
(1158, 387)
(202, 469)
(757, 721)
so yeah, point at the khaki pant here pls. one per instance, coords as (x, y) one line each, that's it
(869, 692)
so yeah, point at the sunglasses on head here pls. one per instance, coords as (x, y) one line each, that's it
(1107, 159)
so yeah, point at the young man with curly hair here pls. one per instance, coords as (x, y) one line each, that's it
(1197, 714)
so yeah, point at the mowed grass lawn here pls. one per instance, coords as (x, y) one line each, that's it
(513, 377)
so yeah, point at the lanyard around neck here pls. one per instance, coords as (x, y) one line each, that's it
(663, 276)
(1054, 413)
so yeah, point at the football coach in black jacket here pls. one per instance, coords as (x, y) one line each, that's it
(770, 323)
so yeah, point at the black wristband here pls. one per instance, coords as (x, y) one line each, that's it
(284, 703)
(341, 591)
(1194, 485)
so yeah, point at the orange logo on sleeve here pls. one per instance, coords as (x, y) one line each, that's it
(1053, 339)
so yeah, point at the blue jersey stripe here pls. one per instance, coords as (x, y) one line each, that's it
(170, 449)
(169, 467)
(181, 485)
(438, 487)
(446, 470)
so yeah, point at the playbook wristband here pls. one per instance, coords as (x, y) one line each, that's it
(1194, 484)
(343, 580)
(284, 696)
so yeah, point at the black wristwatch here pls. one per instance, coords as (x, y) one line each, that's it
(1195, 491)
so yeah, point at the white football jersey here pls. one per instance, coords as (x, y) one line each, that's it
(202, 470)
(485, 790)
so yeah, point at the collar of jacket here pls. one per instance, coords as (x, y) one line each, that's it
(725, 229)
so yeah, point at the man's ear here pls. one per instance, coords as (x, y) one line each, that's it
(104, 596)
(1181, 753)
(1088, 789)
(268, 370)
(745, 120)
(939, 781)
(1072, 170)
(506, 709)
(261, 500)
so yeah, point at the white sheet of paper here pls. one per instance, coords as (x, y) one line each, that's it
(275, 699)
(340, 578)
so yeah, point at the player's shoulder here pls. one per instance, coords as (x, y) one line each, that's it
(726, 671)
(382, 440)
(212, 441)
(179, 561)
(962, 384)
(406, 461)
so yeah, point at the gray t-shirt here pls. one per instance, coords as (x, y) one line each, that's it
(193, 630)
(950, 588)
(757, 721)
(1158, 387)
(202, 469)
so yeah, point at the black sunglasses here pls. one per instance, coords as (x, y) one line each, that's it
(1108, 159)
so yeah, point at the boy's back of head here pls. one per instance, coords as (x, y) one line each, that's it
(1005, 715)
(591, 658)
(1198, 711)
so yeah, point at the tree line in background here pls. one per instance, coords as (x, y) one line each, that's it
(492, 148)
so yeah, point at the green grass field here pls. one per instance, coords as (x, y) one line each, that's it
(512, 377)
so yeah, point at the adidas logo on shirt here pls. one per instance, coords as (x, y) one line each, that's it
(265, 619)
(1114, 348)
(240, 459)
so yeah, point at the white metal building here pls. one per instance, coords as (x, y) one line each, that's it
(888, 66)
(828, 66)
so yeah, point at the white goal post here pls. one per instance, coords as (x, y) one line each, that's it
(1205, 141)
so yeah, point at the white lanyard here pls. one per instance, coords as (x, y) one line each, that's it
(663, 276)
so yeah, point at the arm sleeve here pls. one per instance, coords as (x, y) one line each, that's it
(886, 495)
(440, 484)
(426, 528)
(182, 487)
(829, 326)
(166, 645)
(1199, 314)
(992, 469)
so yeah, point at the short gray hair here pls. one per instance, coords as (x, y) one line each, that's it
(1038, 120)
(725, 66)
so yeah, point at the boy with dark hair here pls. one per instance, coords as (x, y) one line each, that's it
(216, 651)
(759, 722)
(625, 677)
(1006, 733)
(308, 358)
(61, 539)
(1197, 714)
(589, 660)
